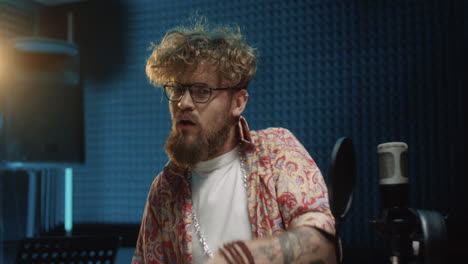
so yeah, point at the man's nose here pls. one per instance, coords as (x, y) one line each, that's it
(186, 101)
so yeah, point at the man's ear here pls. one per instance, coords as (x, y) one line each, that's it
(239, 101)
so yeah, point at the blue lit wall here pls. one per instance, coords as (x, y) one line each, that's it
(375, 71)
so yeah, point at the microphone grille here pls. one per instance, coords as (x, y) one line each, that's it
(393, 162)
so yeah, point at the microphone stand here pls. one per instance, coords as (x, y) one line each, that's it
(398, 226)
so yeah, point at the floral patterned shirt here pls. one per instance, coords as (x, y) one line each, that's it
(286, 190)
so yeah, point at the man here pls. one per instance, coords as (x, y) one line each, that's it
(227, 195)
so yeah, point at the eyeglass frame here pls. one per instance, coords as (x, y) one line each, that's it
(189, 87)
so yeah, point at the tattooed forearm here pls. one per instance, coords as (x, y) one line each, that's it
(286, 248)
(270, 252)
(304, 241)
(302, 245)
(297, 246)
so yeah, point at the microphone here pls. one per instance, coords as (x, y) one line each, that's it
(403, 227)
(393, 171)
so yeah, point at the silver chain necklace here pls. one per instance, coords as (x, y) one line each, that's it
(195, 222)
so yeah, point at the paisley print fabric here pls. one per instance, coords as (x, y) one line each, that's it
(286, 190)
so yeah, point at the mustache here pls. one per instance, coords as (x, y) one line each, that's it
(185, 115)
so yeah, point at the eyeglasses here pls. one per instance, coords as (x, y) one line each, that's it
(200, 92)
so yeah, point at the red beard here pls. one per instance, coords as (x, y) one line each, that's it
(186, 154)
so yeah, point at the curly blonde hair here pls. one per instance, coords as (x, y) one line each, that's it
(184, 47)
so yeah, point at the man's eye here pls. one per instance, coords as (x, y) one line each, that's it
(201, 89)
(178, 90)
(204, 91)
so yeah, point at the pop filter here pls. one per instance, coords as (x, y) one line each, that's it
(342, 178)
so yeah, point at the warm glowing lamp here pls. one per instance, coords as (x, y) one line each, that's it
(3, 62)
(6, 62)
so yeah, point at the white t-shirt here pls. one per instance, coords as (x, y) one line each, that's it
(220, 200)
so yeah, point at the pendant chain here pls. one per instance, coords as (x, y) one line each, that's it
(195, 222)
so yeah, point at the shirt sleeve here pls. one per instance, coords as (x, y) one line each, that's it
(146, 250)
(301, 191)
